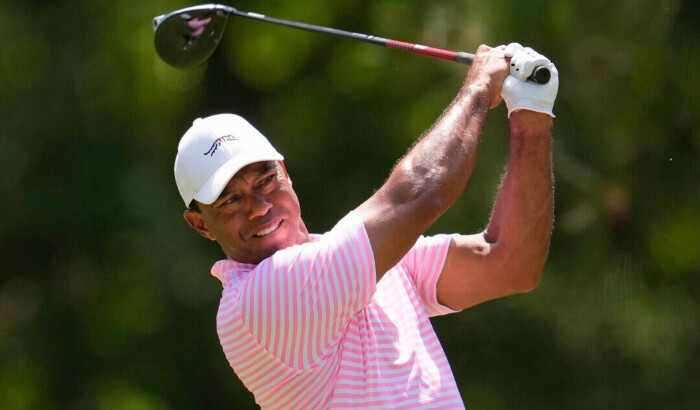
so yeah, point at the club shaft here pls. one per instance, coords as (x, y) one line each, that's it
(459, 57)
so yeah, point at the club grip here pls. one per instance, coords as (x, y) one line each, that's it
(464, 58)
(540, 75)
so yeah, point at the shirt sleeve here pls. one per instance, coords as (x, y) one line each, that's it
(424, 264)
(298, 302)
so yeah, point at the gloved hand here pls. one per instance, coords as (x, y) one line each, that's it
(520, 94)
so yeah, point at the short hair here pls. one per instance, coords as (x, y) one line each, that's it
(194, 206)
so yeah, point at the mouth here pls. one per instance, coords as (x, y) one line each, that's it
(264, 232)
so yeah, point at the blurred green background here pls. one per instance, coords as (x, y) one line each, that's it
(106, 301)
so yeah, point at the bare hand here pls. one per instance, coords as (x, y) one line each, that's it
(489, 69)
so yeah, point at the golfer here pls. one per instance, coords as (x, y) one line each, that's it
(341, 319)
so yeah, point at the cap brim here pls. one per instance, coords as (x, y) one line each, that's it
(216, 183)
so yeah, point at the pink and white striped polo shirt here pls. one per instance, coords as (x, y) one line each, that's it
(310, 328)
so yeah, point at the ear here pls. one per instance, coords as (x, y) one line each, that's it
(196, 221)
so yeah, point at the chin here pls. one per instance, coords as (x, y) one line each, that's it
(273, 248)
(284, 237)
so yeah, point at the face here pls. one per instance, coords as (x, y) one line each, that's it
(256, 215)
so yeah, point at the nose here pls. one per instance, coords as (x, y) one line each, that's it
(258, 206)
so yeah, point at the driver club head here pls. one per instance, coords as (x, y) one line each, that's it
(187, 37)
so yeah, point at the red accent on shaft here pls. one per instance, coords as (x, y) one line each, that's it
(420, 49)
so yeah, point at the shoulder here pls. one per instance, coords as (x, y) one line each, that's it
(228, 270)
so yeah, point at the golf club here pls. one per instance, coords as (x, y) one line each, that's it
(187, 37)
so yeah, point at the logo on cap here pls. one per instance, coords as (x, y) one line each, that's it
(217, 143)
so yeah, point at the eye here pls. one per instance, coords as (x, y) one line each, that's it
(231, 199)
(267, 180)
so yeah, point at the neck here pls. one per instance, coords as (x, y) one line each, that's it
(302, 233)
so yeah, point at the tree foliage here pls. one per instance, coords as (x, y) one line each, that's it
(105, 297)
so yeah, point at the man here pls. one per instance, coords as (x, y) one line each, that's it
(341, 320)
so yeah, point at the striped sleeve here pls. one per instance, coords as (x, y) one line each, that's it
(297, 303)
(424, 263)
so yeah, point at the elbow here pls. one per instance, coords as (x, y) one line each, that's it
(423, 201)
(528, 279)
(525, 267)
(427, 187)
(524, 275)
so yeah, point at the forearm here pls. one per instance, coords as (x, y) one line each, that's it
(432, 175)
(521, 223)
(438, 167)
(426, 182)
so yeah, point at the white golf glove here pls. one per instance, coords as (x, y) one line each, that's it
(520, 94)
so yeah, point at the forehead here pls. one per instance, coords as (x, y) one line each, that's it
(248, 172)
(255, 168)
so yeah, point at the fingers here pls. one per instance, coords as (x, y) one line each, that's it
(524, 60)
(512, 48)
(483, 48)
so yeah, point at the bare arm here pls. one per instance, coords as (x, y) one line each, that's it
(430, 178)
(509, 255)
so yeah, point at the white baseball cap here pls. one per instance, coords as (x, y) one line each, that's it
(212, 151)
